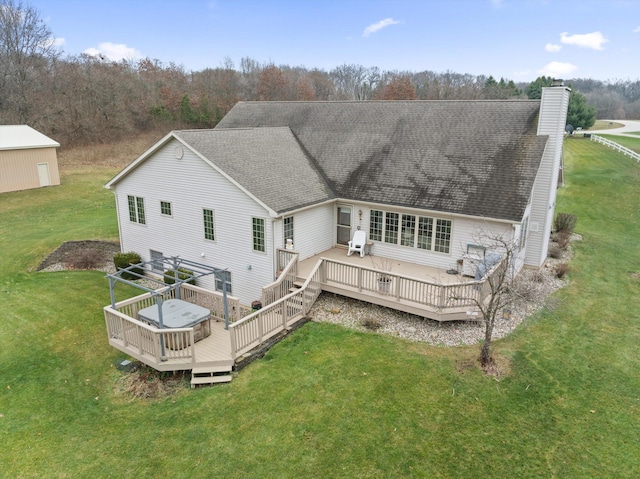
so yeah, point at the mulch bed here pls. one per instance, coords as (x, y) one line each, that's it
(86, 254)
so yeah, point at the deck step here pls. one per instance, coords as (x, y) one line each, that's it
(200, 380)
(220, 373)
(210, 369)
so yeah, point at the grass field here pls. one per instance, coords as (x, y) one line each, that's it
(327, 402)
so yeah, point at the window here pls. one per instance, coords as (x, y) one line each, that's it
(136, 209)
(408, 230)
(443, 236)
(165, 208)
(226, 281)
(209, 227)
(425, 232)
(157, 263)
(375, 225)
(413, 231)
(523, 232)
(258, 234)
(288, 229)
(391, 227)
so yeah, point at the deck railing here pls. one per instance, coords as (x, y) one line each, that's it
(261, 325)
(402, 288)
(287, 273)
(146, 342)
(616, 146)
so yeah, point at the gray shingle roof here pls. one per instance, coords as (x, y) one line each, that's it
(475, 158)
(268, 162)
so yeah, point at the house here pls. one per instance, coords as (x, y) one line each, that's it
(421, 178)
(27, 159)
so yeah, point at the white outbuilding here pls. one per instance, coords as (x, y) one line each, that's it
(27, 159)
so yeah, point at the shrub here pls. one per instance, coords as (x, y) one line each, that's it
(84, 259)
(371, 324)
(124, 260)
(565, 222)
(554, 251)
(183, 274)
(563, 238)
(562, 269)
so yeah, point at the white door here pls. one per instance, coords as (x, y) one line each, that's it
(43, 174)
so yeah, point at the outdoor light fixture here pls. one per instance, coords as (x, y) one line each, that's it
(360, 214)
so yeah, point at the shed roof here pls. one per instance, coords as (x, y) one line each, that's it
(476, 158)
(19, 137)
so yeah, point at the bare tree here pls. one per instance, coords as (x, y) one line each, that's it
(26, 46)
(495, 291)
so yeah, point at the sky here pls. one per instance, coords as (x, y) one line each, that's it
(518, 40)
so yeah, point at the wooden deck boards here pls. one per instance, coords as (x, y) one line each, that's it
(405, 268)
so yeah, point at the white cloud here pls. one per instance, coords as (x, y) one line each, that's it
(379, 26)
(550, 47)
(114, 52)
(587, 40)
(636, 30)
(557, 69)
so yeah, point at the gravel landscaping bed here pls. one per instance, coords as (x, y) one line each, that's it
(362, 316)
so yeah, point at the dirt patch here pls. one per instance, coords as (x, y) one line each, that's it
(86, 254)
(145, 383)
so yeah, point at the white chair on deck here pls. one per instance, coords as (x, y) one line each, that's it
(358, 243)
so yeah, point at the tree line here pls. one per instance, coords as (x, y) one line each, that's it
(84, 99)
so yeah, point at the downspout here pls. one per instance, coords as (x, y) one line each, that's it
(274, 255)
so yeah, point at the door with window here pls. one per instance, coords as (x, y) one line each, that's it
(344, 224)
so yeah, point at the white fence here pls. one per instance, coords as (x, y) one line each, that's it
(616, 146)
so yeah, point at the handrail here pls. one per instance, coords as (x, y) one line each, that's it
(616, 146)
(279, 288)
(259, 326)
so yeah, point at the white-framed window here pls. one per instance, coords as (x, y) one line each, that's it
(165, 208)
(375, 225)
(136, 209)
(209, 224)
(226, 281)
(423, 232)
(259, 243)
(287, 227)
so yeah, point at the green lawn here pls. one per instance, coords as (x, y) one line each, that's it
(328, 402)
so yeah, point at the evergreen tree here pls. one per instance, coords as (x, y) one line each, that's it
(579, 114)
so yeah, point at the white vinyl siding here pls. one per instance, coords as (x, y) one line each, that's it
(200, 186)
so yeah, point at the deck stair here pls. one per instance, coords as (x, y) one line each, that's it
(212, 374)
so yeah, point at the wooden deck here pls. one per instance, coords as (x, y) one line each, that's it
(405, 268)
(421, 290)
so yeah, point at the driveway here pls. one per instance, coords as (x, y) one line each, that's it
(629, 126)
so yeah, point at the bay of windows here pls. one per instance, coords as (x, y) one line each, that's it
(432, 234)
